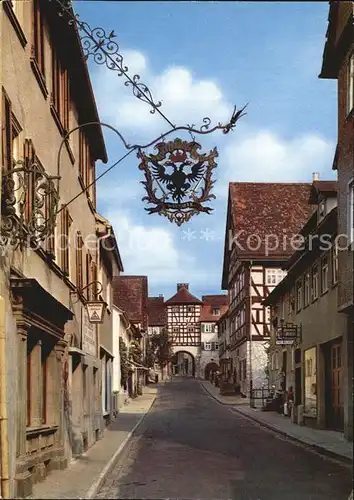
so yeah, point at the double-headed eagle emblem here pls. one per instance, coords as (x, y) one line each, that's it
(182, 176)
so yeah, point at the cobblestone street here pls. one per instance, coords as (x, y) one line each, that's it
(191, 447)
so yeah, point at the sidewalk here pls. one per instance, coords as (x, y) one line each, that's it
(326, 442)
(85, 475)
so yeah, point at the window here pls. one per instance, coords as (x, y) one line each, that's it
(216, 346)
(216, 311)
(79, 270)
(66, 222)
(207, 346)
(298, 295)
(208, 328)
(351, 213)
(350, 93)
(60, 91)
(38, 36)
(322, 209)
(175, 309)
(310, 382)
(324, 274)
(38, 360)
(175, 329)
(274, 276)
(90, 291)
(190, 329)
(6, 132)
(307, 289)
(334, 264)
(315, 282)
(190, 309)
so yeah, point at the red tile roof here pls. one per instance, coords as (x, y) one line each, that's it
(130, 293)
(156, 311)
(183, 296)
(207, 311)
(215, 300)
(323, 187)
(262, 209)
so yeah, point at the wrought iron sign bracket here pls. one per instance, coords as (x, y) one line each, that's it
(79, 292)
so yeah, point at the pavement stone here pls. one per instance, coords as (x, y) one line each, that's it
(190, 447)
(85, 474)
(330, 443)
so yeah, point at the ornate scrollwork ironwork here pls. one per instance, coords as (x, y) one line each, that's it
(184, 177)
(29, 205)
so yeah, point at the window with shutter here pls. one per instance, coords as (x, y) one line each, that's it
(79, 275)
(38, 36)
(6, 132)
(213, 346)
(66, 222)
(29, 157)
(202, 346)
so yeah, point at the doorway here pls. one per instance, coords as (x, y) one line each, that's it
(335, 410)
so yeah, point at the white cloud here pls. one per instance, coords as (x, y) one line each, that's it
(153, 251)
(263, 156)
(247, 155)
(185, 99)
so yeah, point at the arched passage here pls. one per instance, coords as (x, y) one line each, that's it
(183, 364)
(210, 367)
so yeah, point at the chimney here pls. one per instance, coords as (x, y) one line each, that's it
(315, 176)
(182, 285)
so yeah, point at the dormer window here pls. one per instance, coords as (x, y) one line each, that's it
(216, 311)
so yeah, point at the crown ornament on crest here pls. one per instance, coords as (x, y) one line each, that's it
(178, 179)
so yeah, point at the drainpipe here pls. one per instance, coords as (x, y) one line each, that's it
(5, 483)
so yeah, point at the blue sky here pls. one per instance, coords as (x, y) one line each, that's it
(201, 58)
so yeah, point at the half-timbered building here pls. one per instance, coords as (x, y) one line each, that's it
(214, 306)
(263, 220)
(183, 313)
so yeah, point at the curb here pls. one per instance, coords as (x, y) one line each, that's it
(92, 492)
(319, 449)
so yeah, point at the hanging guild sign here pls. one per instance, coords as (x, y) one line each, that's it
(178, 179)
(95, 311)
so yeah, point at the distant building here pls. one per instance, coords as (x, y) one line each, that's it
(214, 306)
(262, 218)
(130, 295)
(157, 318)
(183, 313)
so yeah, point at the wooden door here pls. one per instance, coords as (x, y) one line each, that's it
(336, 387)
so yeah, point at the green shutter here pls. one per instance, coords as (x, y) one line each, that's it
(202, 328)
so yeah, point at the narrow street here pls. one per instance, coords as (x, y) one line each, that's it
(190, 447)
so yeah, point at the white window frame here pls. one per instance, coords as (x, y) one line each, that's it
(350, 214)
(307, 288)
(299, 295)
(207, 346)
(324, 274)
(350, 92)
(274, 276)
(334, 263)
(315, 282)
(208, 328)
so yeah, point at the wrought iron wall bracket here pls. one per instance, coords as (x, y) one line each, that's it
(79, 292)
